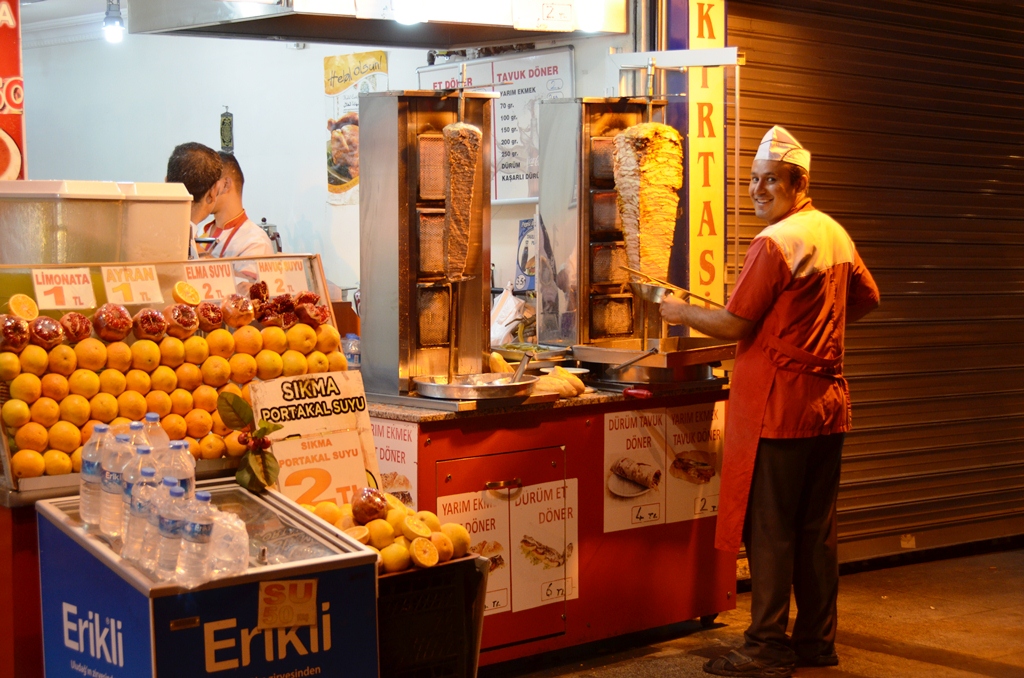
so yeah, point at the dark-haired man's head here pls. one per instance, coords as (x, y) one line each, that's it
(229, 202)
(199, 167)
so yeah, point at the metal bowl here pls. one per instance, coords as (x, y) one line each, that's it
(474, 386)
(652, 294)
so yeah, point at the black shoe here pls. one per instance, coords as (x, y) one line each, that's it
(738, 664)
(831, 659)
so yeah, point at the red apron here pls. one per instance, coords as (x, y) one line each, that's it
(757, 361)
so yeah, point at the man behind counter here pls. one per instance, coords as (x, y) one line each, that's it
(199, 168)
(789, 409)
(237, 235)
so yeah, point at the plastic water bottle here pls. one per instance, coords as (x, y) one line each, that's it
(116, 455)
(142, 494)
(350, 346)
(90, 487)
(171, 521)
(137, 431)
(132, 474)
(195, 562)
(229, 545)
(151, 536)
(180, 465)
(157, 436)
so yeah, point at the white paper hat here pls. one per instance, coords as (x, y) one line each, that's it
(778, 144)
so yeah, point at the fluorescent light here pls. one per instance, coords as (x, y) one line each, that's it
(113, 24)
(589, 15)
(409, 12)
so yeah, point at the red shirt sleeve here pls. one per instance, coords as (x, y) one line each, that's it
(863, 291)
(764, 276)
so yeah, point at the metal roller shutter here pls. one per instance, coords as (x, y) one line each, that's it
(914, 113)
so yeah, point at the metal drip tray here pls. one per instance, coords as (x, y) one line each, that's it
(474, 386)
(673, 352)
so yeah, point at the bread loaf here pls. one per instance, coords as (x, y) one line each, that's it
(462, 154)
(648, 174)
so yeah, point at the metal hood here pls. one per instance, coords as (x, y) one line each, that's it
(459, 23)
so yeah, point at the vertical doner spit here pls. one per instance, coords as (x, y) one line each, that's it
(462, 155)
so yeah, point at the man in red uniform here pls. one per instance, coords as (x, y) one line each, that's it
(789, 408)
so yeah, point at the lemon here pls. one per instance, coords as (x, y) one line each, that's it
(10, 366)
(62, 360)
(359, 533)
(395, 518)
(396, 558)
(16, 413)
(45, 411)
(35, 360)
(196, 350)
(198, 423)
(248, 340)
(163, 379)
(189, 376)
(423, 552)
(301, 338)
(119, 356)
(459, 536)
(65, 436)
(445, 549)
(413, 527)
(430, 520)
(337, 361)
(394, 502)
(216, 369)
(243, 367)
(145, 355)
(32, 436)
(401, 539)
(54, 386)
(294, 363)
(327, 339)
(274, 339)
(27, 464)
(221, 343)
(329, 511)
(268, 364)
(211, 447)
(113, 382)
(381, 532)
(26, 386)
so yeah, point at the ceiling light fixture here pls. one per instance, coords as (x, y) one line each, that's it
(113, 24)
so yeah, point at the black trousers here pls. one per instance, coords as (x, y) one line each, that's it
(790, 535)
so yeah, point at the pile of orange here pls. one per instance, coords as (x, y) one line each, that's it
(57, 396)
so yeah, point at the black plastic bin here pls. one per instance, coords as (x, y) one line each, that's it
(430, 621)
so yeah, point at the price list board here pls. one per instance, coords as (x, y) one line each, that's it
(523, 80)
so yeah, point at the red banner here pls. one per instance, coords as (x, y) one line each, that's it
(12, 94)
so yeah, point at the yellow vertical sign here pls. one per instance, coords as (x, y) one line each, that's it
(705, 157)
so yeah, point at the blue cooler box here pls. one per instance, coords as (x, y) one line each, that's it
(104, 618)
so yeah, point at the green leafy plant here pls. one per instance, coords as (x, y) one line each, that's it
(258, 467)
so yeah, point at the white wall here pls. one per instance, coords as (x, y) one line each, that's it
(114, 112)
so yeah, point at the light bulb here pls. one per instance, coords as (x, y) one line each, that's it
(113, 33)
(408, 12)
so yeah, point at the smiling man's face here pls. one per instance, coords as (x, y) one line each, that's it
(773, 193)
